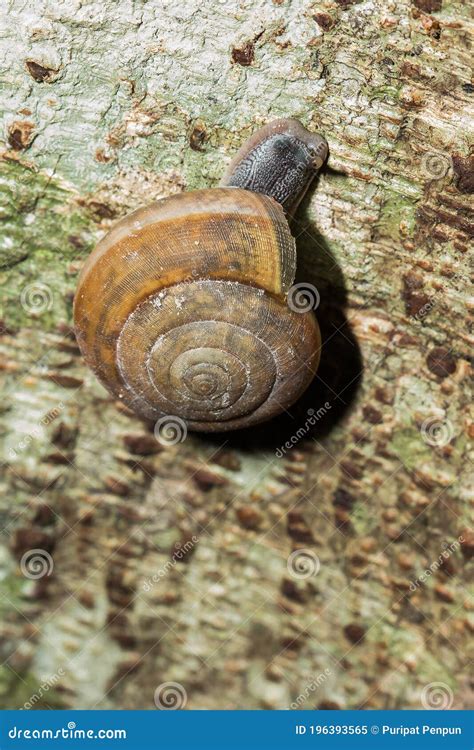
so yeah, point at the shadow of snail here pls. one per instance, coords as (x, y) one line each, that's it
(187, 308)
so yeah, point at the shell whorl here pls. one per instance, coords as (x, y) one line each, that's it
(181, 310)
(219, 354)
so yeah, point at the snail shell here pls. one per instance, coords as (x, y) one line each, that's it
(181, 310)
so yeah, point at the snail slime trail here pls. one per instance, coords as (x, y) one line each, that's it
(165, 345)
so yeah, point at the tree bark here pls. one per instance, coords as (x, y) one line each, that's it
(174, 563)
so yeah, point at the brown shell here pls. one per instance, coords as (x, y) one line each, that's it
(180, 310)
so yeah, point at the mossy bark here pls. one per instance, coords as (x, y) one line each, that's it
(171, 563)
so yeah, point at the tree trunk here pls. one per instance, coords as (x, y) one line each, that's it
(182, 563)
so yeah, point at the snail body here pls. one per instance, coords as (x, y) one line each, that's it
(181, 310)
(279, 160)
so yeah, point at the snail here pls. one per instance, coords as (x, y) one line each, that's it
(181, 309)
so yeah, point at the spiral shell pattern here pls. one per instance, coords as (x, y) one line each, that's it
(181, 311)
(216, 353)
